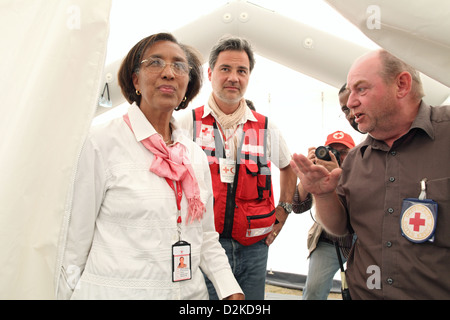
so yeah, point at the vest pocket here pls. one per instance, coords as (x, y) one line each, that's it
(253, 221)
(259, 225)
(252, 185)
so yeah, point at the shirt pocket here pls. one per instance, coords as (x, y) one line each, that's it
(439, 191)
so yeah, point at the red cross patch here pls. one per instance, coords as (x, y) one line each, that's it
(207, 132)
(418, 223)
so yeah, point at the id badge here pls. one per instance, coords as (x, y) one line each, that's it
(418, 219)
(227, 170)
(181, 261)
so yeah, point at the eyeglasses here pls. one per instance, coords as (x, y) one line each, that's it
(156, 65)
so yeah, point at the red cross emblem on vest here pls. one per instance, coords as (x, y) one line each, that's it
(206, 136)
(206, 131)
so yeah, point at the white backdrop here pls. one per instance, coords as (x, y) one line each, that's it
(415, 31)
(53, 53)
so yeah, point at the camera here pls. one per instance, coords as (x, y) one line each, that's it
(322, 153)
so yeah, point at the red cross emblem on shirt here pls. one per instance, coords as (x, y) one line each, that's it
(416, 221)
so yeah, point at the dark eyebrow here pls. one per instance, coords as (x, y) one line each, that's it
(155, 56)
(228, 66)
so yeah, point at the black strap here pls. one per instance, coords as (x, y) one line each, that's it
(194, 125)
(344, 289)
(341, 265)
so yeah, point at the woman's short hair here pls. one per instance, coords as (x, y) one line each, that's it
(132, 64)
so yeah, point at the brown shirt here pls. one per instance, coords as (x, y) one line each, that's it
(384, 264)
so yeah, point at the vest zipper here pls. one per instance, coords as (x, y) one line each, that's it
(230, 207)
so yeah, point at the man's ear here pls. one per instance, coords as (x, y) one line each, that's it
(404, 84)
(209, 74)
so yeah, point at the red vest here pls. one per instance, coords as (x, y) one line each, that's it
(243, 210)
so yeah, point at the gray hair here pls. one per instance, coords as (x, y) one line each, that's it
(393, 66)
(231, 44)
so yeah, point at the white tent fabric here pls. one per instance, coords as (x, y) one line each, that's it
(415, 31)
(53, 53)
(320, 54)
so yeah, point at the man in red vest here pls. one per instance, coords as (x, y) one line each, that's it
(241, 145)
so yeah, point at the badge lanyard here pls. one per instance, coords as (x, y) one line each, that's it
(423, 189)
(226, 139)
(178, 196)
(181, 250)
(227, 165)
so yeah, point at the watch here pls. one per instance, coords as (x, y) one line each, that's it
(286, 206)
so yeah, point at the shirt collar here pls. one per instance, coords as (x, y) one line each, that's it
(248, 116)
(142, 128)
(421, 122)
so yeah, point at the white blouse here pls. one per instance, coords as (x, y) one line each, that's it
(123, 223)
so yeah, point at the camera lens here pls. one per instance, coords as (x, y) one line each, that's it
(322, 153)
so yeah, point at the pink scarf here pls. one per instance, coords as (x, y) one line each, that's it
(172, 163)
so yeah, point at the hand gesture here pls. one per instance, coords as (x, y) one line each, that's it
(316, 179)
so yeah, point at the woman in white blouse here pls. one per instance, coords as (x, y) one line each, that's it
(142, 197)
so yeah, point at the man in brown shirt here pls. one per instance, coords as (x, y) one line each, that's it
(408, 142)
